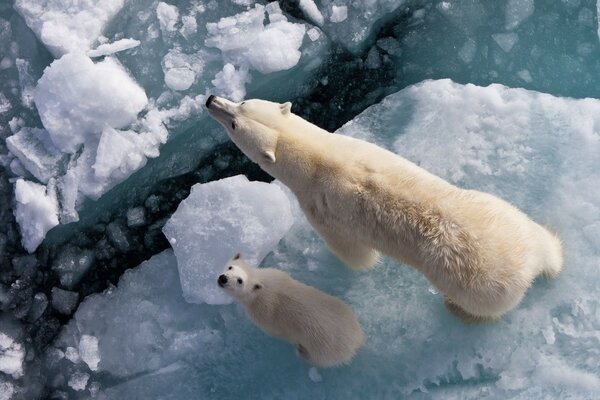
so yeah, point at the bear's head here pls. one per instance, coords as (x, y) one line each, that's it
(253, 125)
(238, 281)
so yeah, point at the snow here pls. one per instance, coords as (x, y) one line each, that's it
(218, 220)
(106, 49)
(36, 211)
(68, 25)
(77, 98)
(12, 355)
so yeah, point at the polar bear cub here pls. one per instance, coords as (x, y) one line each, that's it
(477, 249)
(323, 329)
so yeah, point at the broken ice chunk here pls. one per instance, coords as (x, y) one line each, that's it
(67, 25)
(36, 152)
(106, 49)
(338, 14)
(309, 8)
(76, 99)
(88, 350)
(167, 15)
(12, 355)
(64, 301)
(219, 219)
(36, 212)
(136, 217)
(79, 380)
(72, 264)
(119, 154)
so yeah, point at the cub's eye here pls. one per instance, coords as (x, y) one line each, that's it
(240, 281)
(230, 268)
(232, 125)
(243, 102)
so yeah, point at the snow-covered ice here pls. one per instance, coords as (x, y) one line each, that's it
(218, 220)
(12, 355)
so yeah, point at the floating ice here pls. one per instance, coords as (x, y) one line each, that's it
(136, 217)
(71, 264)
(114, 47)
(231, 82)
(311, 10)
(12, 355)
(216, 221)
(36, 152)
(244, 40)
(68, 25)
(88, 351)
(78, 381)
(338, 13)
(167, 16)
(36, 212)
(518, 11)
(76, 99)
(506, 40)
(148, 300)
(64, 301)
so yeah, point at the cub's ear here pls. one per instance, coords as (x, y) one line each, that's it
(237, 256)
(257, 287)
(286, 108)
(269, 155)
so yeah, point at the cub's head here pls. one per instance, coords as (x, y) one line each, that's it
(237, 280)
(253, 125)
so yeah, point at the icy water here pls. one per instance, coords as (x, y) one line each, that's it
(108, 159)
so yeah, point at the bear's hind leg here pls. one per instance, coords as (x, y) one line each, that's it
(465, 316)
(354, 255)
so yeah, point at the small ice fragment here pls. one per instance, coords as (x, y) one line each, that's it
(525, 75)
(36, 212)
(79, 380)
(88, 350)
(115, 47)
(338, 14)
(549, 335)
(136, 217)
(72, 355)
(167, 16)
(12, 355)
(518, 11)
(313, 34)
(309, 8)
(64, 301)
(506, 41)
(314, 375)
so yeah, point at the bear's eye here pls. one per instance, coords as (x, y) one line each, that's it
(233, 125)
(230, 268)
(240, 281)
(243, 102)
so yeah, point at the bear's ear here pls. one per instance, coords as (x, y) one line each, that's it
(257, 286)
(237, 256)
(286, 108)
(269, 155)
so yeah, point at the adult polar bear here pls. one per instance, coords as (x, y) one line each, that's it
(477, 249)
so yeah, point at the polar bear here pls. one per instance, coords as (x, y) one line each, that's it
(323, 329)
(481, 252)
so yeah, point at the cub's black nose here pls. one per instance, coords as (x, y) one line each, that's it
(222, 280)
(208, 101)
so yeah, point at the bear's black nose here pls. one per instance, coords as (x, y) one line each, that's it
(222, 280)
(209, 100)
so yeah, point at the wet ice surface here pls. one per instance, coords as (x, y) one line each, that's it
(138, 72)
(536, 150)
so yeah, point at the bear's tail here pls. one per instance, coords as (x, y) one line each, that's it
(553, 262)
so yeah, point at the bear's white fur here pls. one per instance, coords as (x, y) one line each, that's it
(477, 249)
(323, 329)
